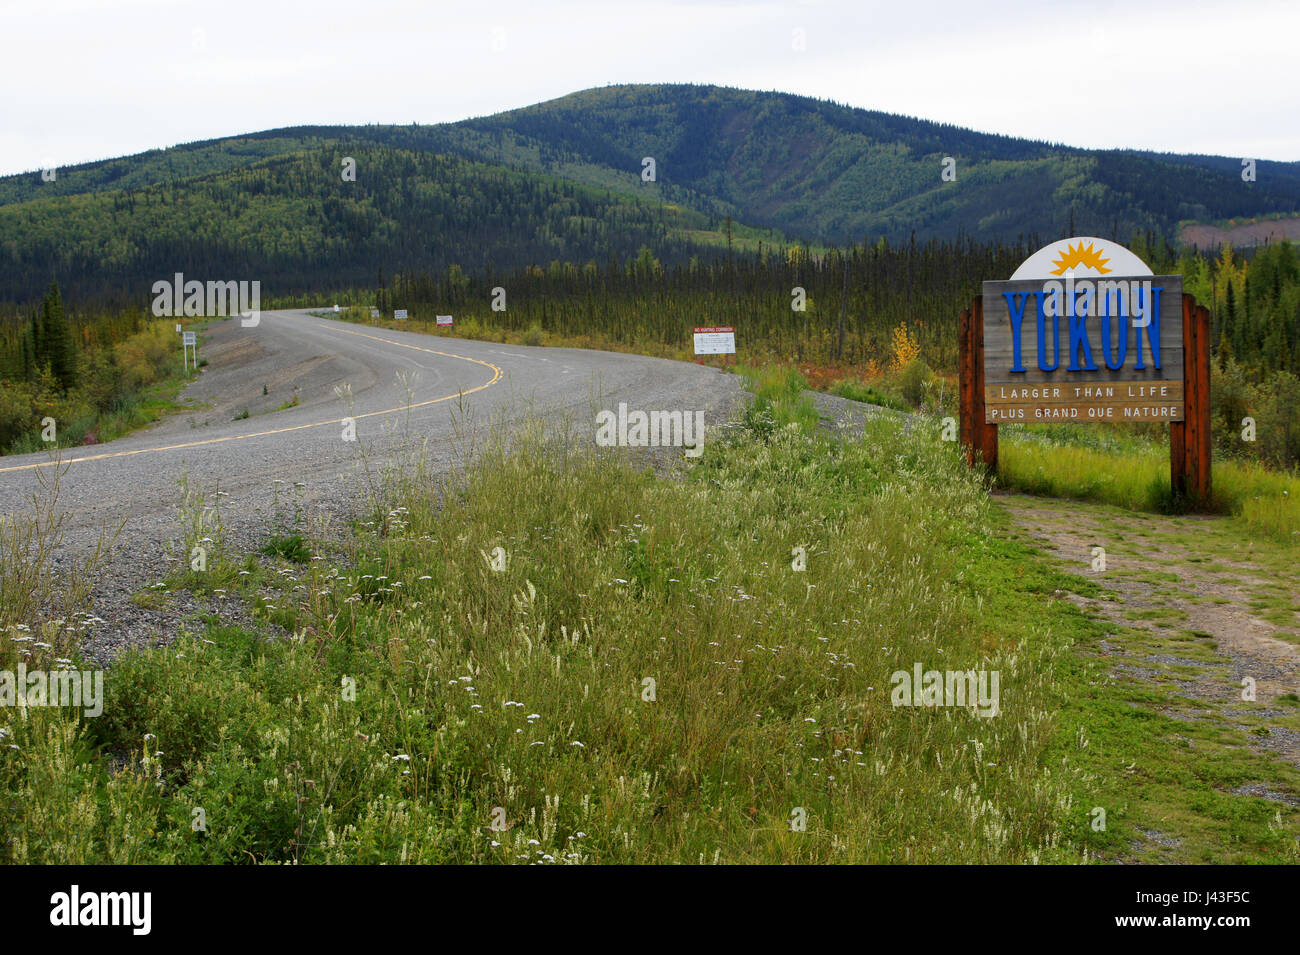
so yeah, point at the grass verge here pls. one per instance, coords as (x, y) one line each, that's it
(518, 665)
(1136, 476)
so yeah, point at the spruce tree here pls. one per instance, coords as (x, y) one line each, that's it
(39, 358)
(57, 339)
(28, 345)
(1225, 350)
(1230, 325)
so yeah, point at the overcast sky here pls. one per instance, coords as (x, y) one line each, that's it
(90, 79)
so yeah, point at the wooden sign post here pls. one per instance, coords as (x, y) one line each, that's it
(978, 437)
(1189, 440)
(1084, 332)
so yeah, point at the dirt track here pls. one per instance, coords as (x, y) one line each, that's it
(1168, 577)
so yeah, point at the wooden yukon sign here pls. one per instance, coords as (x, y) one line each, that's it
(1083, 332)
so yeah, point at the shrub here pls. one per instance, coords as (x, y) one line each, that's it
(912, 383)
(1231, 398)
(903, 347)
(16, 412)
(1278, 421)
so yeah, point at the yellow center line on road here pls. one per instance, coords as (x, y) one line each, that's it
(496, 376)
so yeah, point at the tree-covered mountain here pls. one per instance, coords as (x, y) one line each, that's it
(827, 172)
(295, 223)
(563, 180)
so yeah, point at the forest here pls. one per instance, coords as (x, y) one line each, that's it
(295, 224)
(877, 322)
(95, 375)
(843, 314)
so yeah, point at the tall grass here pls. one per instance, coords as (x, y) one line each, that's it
(648, 678)
(1137, 477)
(780, 399)
(43, 596)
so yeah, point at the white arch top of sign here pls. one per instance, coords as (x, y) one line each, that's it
(1088, 257)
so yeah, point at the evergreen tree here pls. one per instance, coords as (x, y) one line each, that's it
(1225, 350)
(38, 345)
(1282, 361)
(56, 339)
(28, 351)
(1230, 325)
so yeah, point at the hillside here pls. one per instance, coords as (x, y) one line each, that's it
(294, 223)
(500, 189)
(819, 170)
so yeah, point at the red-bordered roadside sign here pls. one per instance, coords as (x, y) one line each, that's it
(715, 340)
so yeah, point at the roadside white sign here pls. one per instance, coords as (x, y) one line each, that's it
(399, 314)
(190, 338)
(374, 313)
(178, 327)
(444, 319)
(715, 340)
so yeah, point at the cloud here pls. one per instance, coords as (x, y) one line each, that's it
(92, 79)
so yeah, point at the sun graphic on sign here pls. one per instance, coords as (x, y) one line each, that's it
(1077, 255)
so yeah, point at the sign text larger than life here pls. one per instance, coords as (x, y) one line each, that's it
(1095, 349)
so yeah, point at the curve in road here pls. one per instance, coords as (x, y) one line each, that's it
(496, 376)
(133, 481)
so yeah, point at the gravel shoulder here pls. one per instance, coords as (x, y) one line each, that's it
(405, 387)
